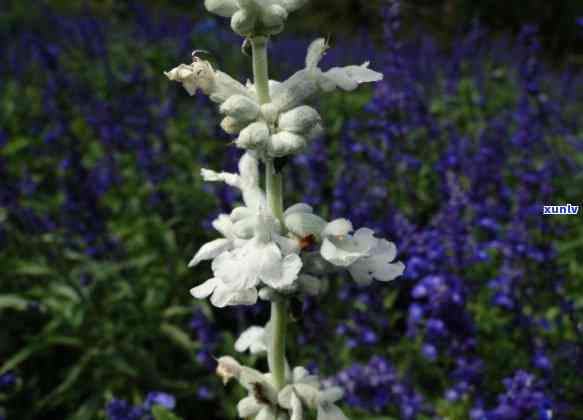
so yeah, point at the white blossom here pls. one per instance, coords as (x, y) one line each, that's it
(310, 80)
(248, 16)
(255, 339)
(365, 256)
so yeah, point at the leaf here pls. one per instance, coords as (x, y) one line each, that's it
(178, 336)
(15, 145)
(26, 268)
(31, 349)
(13, 302)
(161, 413)
(177, 311)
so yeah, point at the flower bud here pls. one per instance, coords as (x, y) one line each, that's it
(245, 228)
(273, 17)
(285, 143)
(243, 22)
(228, 368)
(305, 224)
(299, 120)
(224, 8)
(232, 125)
(315, 132)
(240, 107)
(269, 112)
(198, 75)
(252, 136)
(291, 5)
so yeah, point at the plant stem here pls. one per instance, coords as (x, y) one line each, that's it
(273, 181)
(260, 74)
(276, 354)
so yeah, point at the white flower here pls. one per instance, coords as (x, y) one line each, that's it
(310, 80)
(255, 339)
(224, 294)
(258, 261)
(378, 264)
(365, 256)
(201, 75)
(198, 75)
(212, 249)
(304, 391)
(343, 251)
(249, 15)
(301, 221)
(247, 181)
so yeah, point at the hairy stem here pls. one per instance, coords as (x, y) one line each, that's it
(260, 75)
(273, 181)
(276, 355)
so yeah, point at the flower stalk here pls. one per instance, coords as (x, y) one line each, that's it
(267, 252)
(273, 181)
(276, 353)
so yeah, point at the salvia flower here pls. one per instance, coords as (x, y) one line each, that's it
(285, 124)
(302, 392)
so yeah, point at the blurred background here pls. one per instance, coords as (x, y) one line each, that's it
(476, 126)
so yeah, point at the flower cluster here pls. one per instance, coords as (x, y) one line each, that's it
(282, 125)
(303, 391)
(255, 16)
(260, 256)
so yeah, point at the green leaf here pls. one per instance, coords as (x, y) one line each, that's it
(13, 302)
(26, 268)
(15, 145)
(178, 336)
(31, 349)
(161, 413)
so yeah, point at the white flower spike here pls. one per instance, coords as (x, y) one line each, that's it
(265, 251)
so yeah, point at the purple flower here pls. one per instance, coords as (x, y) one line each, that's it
(160, 398)
(121, 410)
(7, 380)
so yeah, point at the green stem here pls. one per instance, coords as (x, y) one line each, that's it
(260, 72)
(276, 355)
(273, 181)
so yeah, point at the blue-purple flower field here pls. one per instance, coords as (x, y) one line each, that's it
(452, 157)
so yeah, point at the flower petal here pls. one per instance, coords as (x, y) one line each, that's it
(305, 224)
(330, 412)
(224, 226)
(346, 251)
(210, 250)
(378, 265)
(315, 53)
(338, 227)
(297, 410)
(298, 208)
(266, 413)
(251, 339)
(205, 289)
(224, 296)
(248, 407)
(224, 8)
(282, 275)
